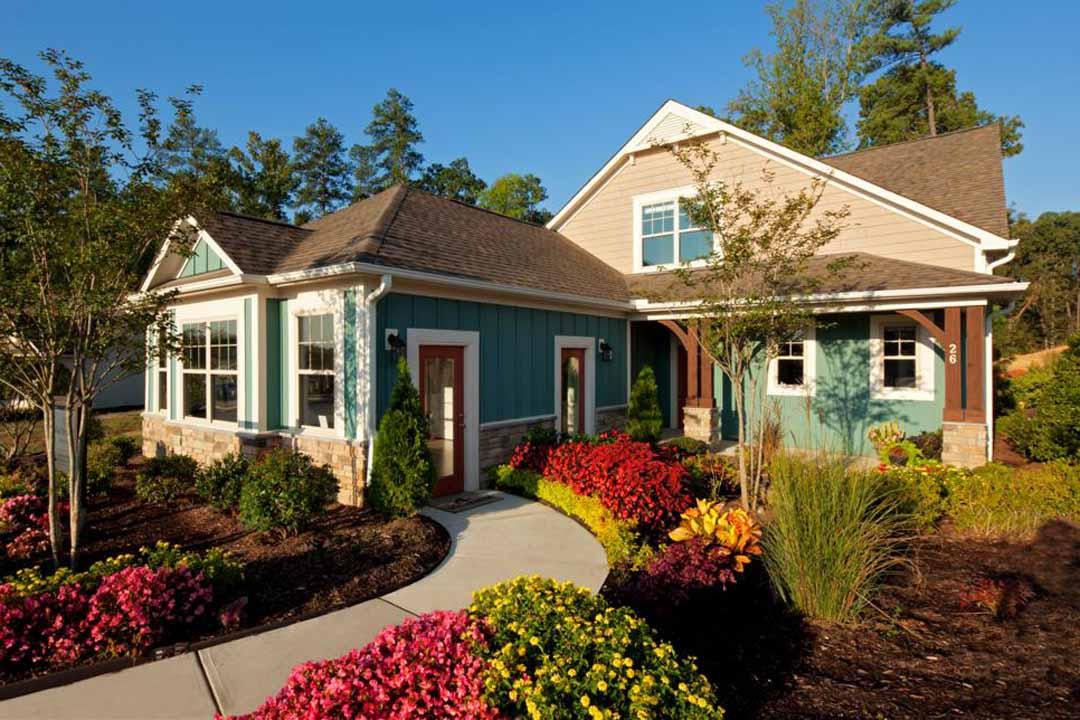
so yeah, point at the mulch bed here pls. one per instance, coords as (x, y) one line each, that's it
(922, 654)
(349, 556)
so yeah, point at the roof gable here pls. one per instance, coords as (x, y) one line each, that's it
(202, 260)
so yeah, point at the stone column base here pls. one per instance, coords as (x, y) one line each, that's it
(701, 424)
(963, 444)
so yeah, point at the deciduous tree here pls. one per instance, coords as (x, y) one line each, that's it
(455, 181)
(517, 196)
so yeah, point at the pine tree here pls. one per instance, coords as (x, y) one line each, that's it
(268, 179)
(402, 471)
(644, 419)
(456, 181)
(322, 169)
(391, 158)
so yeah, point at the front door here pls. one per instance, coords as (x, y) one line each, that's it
(442, 373)
(572, 372)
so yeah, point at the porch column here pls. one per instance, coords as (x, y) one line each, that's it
(700, 417)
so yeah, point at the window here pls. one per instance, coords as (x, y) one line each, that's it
(791, 372)
(162, 374)
(665, 241)
(898, 356)
(316, 370)
(210, 365)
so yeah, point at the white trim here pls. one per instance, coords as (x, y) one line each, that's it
(163, 253)
(815, 168)
(988, 382)
(302, 306)
(588, 344)
(209, 372)
(925, 362)
(494, 424)
(652, 198)
(809, 386)
(470, 340)
(609, 408)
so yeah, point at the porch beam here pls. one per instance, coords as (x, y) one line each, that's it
(936, 331)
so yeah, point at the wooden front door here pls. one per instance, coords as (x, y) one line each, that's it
(572, 377)
(442, 379)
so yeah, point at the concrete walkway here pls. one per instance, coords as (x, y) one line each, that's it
(490, 543)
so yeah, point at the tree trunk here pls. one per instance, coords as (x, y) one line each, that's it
(49, 427)
(744, 480)
(76, 477)
(931, 114)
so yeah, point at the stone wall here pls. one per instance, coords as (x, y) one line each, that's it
(498, 442)
(963, 444)
(345, 459)
(701, 424)
(611, 419)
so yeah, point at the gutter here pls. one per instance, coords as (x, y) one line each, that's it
(1004, 260)
(371, 301)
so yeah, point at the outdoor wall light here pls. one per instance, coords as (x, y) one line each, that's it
(394, 343)
(607, 353)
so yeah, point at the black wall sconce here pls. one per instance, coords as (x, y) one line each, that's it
(394, 343)
(607, 353)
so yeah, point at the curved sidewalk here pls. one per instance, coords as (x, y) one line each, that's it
(494, 542)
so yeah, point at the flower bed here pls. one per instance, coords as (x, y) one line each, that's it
(26, 518)
(526, 648)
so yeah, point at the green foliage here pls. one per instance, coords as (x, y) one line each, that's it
(1052, 432)
(712, 475)
(921, 490)
(265, 178)
(1047, 257)
(220, 482)
(402, 472)
(127, 446)
(998, 500)
(285, 492)
(17, 482)
(541, 435)
(619, 538)
(688, 445)
(456, 181)
(517, 196)
(558, 651)
(161, 479)
(644, 420)
(220, 568)
(322, 169)
(834, 535)
(102, 460)
(392, 157)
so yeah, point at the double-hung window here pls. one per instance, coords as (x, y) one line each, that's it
(792, 371)
(790, 364)
(902, 360)
(162, 373)
(670, 236)
(210, 370)
(316, 370)
(899, 357)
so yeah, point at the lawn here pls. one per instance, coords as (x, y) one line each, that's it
(119, 422)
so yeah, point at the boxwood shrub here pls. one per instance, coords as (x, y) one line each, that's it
(285, 491)
(161, 479)
(221, 482)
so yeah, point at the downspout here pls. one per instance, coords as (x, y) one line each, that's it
(370, 302)
(1004, 260)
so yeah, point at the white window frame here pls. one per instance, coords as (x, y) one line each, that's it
(809, 358)
(925, 361)
(675, 195)
(588, 344)
(208, 372)
(161, 368)
(332, 372)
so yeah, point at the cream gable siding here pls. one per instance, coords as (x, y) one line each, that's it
(604, 224)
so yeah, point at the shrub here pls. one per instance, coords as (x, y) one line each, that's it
(1052, 431)
(427, 667)
(644, 419)
(402, 472)
(557, 650)
(735, 534)
(928, 444)
(685, 447)
(16, 483)
(619, 538)
(284, 492)
(680, 571)
(126, 445)
(833, 536)
(998, 500)
(712, 476)
(921, 489)
(161, 479)
(220, 482)
(102, 459)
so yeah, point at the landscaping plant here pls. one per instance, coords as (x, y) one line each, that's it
(1050, 431)
(26, 518)
(644, 420)
(127, 446)
(161, 479)
(834, 534)
(285, 491)
(921, 489)
(221, 482)
(102, 460)
(734, 533)
(997, 500)
(402, 471)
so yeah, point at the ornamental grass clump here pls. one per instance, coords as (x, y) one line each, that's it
(835, 533)
(427, 667)
(558, 651)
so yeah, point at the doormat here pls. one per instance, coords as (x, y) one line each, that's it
(464, 501)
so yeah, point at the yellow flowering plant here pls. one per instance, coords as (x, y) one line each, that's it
(558, 651)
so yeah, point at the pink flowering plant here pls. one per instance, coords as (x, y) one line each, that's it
(26, 517)
(427, 667)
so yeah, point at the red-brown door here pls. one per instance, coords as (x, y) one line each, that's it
(442, 378)
(680, 400)
(572, 371)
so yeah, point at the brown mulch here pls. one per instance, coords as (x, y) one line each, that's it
(348, 556)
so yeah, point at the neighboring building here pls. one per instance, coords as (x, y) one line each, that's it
(292, 333)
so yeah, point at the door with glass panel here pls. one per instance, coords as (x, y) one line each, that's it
(572, 400)
(442, 376)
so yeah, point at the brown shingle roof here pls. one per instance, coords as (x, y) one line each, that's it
(410, 229)
(958, 173)
(863, 273)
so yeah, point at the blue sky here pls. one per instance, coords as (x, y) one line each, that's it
(538, 87)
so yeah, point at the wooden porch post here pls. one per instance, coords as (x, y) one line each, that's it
(975, 410)
(705, 371)
(953, 369)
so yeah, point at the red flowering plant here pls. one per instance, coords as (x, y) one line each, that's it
(427, 667)
(27, 517)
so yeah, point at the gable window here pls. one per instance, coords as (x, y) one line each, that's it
(792, 371)
(210, 367)
(666, 234)
(316, 370)
(901, 360)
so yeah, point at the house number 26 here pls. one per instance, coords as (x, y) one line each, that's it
(953, 355)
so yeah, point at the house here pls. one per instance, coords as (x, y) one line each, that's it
(291, 334)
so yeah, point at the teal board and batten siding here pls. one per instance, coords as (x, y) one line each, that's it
(202, 260)
(517, 350)
(650, 345)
